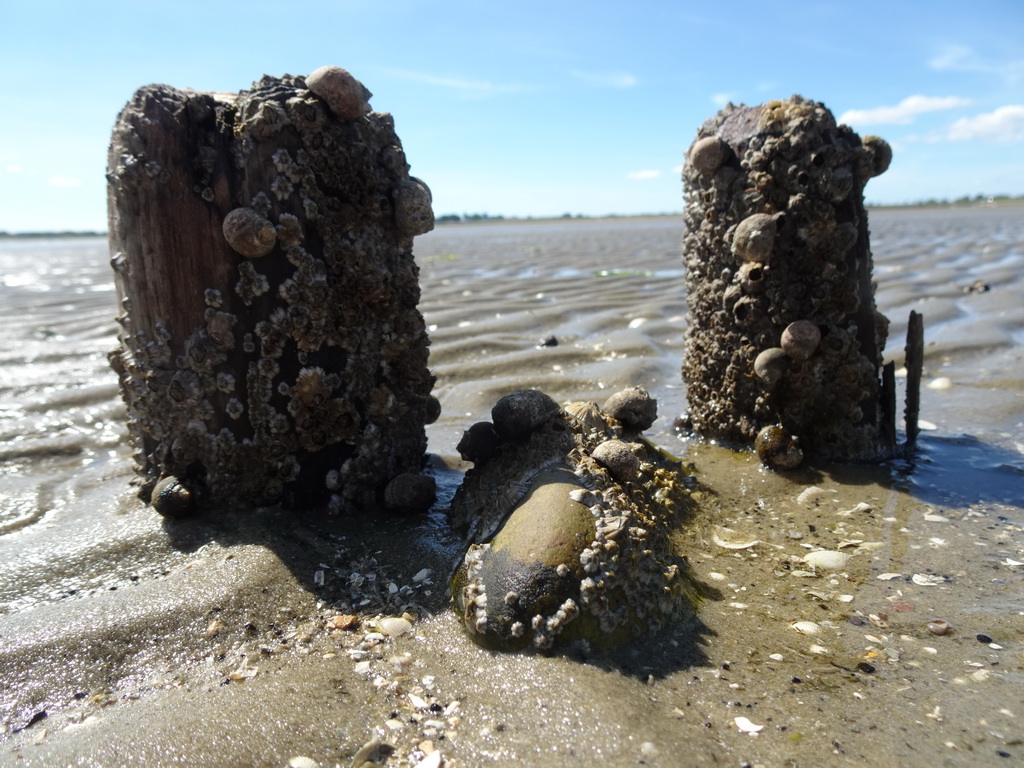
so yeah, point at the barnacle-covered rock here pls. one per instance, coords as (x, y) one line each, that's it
(564, 549)
(778, 262)
(272, 350)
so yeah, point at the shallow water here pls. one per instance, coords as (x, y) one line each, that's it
(87, 573)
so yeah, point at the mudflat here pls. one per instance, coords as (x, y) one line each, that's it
(852, 615)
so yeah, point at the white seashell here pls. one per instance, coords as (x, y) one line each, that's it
(927, 579)
(889, 576)
(732, 544)
(806, 627)
(827, 559)
(810, 495)
(302, 762)
(394, 626)
(861, 507)
(746, 726)
(433, 760)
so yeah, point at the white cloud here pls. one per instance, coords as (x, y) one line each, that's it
(605, 79)
(64, 181)
(465, 86)
(643, 175)
(960, 58)
(1004, 124)
(721, 99)
(902, 113)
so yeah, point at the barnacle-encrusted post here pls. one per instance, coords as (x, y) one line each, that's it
(271, 350)
(783, 334)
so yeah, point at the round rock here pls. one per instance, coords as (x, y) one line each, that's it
(518, 414)
(347, 97)
(634, 408)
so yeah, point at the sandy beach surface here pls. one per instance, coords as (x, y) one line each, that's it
(265, 638)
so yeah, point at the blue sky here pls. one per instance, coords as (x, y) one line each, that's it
(527, 108)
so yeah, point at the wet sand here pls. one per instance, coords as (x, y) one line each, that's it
(251, 639)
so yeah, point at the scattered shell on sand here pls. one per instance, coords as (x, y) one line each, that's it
(394, 626)
(746, 726)
(811, 495)
(727, 538)
(806, 627)
(827, 559)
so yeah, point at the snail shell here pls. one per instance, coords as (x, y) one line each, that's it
(777, 448)
(754, 238)
(249, 233)
(174, 497)
(708, 154)
(634, 408)
(800, 340)
(347, 97)
(770, 365)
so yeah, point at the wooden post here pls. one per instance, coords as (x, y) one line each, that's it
(271, 350)
(784, 343)
(915, 366)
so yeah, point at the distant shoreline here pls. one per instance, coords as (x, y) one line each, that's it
(454, 219)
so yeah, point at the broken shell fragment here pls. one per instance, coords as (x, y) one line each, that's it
(347, 97)
(754, 238)
(777, 448)
(634, 408)
(800, 340)
(770, 365)
(249, 233)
